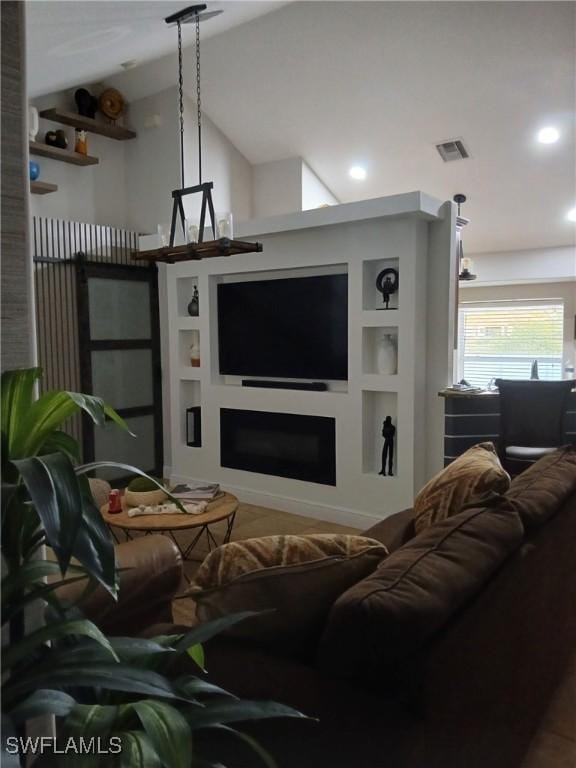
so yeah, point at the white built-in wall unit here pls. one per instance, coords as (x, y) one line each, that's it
(413, 233)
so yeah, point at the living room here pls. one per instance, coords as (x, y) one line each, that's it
(313, 266)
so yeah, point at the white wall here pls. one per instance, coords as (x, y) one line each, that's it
(152, 161)
(277, 187)
(526, 266)
(95, 193)
(131, 187)
(286, 186)
(222, 163)
(314, 192)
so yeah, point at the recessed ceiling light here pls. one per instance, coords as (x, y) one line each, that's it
(130, 64)
(571, 215)
(548, 135)
(357, 172)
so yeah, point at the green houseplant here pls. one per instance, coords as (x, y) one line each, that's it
(96, 686)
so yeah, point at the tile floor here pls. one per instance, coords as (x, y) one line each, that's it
(554, 746)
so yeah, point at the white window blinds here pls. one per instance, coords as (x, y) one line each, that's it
(502, 340)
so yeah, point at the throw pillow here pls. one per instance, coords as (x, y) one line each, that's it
(298, 577)
(474, 475)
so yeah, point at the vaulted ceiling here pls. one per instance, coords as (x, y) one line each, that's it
(378, 84)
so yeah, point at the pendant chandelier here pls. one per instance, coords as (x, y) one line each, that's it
(465, 265)
(202, 249)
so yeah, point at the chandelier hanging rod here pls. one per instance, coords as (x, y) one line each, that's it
(187, 15)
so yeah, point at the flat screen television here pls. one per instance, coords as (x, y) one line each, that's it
(294, 328)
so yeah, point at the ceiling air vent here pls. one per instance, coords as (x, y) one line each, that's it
(452, 150)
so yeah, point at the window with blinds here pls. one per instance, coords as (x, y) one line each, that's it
(502, 340)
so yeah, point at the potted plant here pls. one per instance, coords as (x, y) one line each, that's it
(123, 692)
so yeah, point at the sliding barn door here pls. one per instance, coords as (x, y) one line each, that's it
(120, 362)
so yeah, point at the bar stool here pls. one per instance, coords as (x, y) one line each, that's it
(532, 417)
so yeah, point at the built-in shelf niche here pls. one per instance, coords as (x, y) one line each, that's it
(186, 341)
(375, 407)
(184, 292)
(190, 397)
(371, 343)
(371, 296)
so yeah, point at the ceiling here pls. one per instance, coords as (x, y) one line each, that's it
(71, 41)
(378, 84)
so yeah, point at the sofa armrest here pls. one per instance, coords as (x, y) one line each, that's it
(151, 571)
(394, 531)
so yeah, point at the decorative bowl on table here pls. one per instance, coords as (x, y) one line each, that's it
(142, 491)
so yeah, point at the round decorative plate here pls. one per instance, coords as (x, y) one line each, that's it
(111, 103)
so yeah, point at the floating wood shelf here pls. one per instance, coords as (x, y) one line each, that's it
(196, 251)
(82, 123)
(65, 155)
(42, 187)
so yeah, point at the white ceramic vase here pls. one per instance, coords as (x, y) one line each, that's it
(33, 123)
(387, 355)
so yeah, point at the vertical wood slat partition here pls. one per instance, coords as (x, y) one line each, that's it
(58, 245)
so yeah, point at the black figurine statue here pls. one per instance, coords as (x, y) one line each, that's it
(194, 305)
(387, 284)
(85, 103)
(388, 433)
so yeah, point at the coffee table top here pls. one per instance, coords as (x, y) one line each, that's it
(221, 508)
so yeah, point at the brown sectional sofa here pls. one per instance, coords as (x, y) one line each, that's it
(446, 656)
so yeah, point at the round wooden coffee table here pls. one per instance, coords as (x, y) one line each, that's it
(223, 508)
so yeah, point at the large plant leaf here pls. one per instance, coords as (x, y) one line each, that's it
(55, 630)
(210, 629)
(220, 712)
(16, 400)
(168, 731)
(54, 489)
(138, 752)
(196, 686)
(43, 702)
(49, 412)
(92, 719)
(29, 575)
(44, 592)
(94, 546)
(61, 442)
(113, 677)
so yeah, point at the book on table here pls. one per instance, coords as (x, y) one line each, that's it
(196, 491)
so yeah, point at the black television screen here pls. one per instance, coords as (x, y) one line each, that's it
(293, 328)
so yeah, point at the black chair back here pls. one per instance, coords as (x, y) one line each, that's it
(532, 413)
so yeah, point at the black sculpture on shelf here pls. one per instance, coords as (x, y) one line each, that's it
(194, 305)
(387, 284)
(388, 433)
(86, 103)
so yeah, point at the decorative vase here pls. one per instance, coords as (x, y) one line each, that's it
(195, 350)
(387, 355)
(33, 170)
(194, 305)
(33, 123)
(81, 145)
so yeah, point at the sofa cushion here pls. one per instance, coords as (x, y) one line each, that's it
(475, 474)
(299, 577)
(388, 617)
(542, 489)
